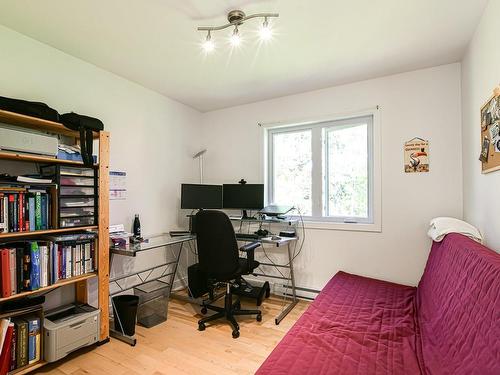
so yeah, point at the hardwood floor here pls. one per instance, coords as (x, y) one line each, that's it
(177, 347)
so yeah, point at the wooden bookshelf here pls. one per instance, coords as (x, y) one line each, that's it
(39, 124)
(37, 159)
(80, 283)
(58, 284)
(14, 235)
(29, 368)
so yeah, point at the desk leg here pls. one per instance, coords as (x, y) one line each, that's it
(196, 301)
(174, 272)
(292, 304)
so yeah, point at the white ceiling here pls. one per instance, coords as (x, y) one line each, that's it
(319, 43)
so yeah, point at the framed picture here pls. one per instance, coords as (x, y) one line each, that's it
(416, 155)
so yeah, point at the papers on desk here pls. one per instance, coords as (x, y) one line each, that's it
(118, 237)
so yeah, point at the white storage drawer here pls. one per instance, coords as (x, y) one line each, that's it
(77, 190)
(80, 181)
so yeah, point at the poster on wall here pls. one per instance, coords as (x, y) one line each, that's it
(416, 155)
(117, 185)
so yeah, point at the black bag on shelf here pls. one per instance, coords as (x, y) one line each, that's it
(85, 125)
(24, 107)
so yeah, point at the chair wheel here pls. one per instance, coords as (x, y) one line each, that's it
(259, 318)
(236, 334)
(204, 310)
(201, 326)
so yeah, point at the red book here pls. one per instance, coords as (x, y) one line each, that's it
(59, 262)
(20, 209)
(5, 273)
(5, 354)
(26, 212)
(13, 354)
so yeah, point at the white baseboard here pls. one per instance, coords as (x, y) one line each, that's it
(279, 288)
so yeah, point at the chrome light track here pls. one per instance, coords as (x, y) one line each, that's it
(236, 18)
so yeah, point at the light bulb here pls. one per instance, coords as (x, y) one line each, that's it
(265, 31)
(208, 45)
(235, 39)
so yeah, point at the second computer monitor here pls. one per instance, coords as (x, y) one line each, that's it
(243, 196)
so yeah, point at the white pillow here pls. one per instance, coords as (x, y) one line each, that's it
(441, 226)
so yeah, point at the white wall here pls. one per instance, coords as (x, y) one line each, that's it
(423, 103)
(153, 138)
(480, 74)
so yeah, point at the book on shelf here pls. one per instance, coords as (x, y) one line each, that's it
(7, 329)
(20, 342)
(33, 339)
(33, 179)
(13, 348)
(4, 324)
(5, 273)
(31, 265)
(28, 178)
(21, 327)
(24, 209)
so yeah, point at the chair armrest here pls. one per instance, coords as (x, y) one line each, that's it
(250, 246)
(249, 249)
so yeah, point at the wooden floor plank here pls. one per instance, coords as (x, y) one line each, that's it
(177, 347)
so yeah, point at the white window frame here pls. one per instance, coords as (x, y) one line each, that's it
(373, 222)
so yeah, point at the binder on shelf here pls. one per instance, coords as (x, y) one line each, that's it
(5, 273)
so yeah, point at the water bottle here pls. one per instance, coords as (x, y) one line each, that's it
(137, 226)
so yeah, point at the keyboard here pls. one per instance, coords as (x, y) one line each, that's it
(247, 236)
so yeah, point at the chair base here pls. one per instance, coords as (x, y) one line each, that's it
(228, 312)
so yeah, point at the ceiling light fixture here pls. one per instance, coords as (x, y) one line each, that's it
(208, 45)
(236, 18)
(235, 38)
(265, 31)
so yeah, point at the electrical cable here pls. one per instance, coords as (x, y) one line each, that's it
(272, 262)
(296, 254)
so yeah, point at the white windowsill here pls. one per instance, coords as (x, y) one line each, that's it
(353, 227)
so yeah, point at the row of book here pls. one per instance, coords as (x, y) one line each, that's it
(24, 209)
(30, 265)
(20, 342)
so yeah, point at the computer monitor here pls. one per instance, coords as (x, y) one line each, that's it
(243, 196)
(198, 196)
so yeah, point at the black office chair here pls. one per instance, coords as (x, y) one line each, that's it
(219, 260)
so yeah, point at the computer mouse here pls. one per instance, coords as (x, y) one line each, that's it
(275, 238)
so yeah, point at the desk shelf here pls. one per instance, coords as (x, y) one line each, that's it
(288, 221)
(152, 242)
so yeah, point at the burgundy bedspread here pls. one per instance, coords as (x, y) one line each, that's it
(449, 325)
(459, 308)
(356, 325)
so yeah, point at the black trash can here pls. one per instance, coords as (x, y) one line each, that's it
(125, 312)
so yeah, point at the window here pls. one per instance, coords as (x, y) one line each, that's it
(325, 169)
